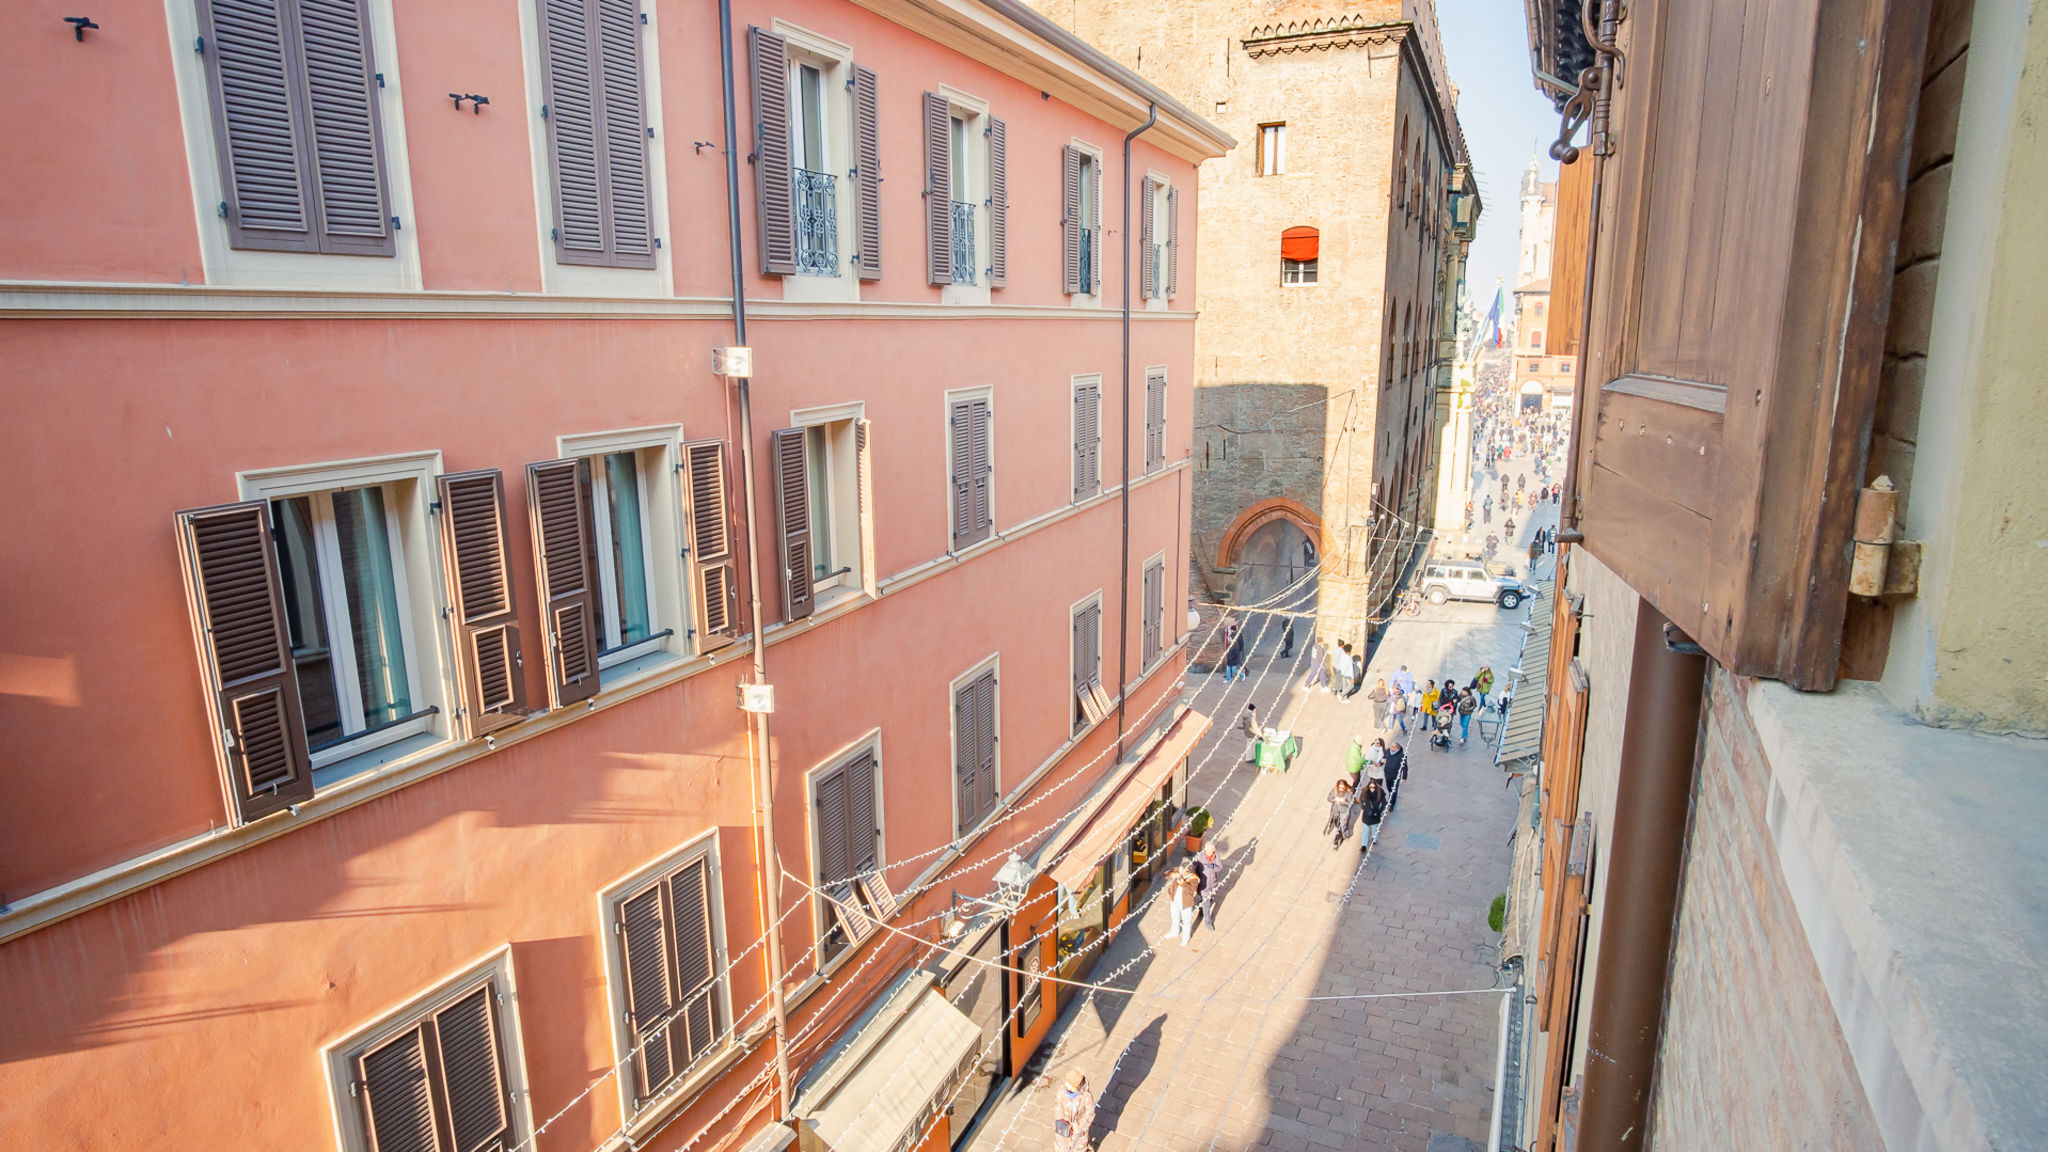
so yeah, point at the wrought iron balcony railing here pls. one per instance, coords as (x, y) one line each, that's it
(963, 242)
(1088, 261)
(817, 223)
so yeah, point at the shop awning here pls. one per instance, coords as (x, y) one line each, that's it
(1522, 741)
(1123, 803)
(894, 1075)
(1300, 243)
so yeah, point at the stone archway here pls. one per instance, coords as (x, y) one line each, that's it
(1273, 529)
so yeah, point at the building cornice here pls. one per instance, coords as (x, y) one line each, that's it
(1323, 35)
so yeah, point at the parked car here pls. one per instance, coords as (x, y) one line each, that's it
(1473, 580)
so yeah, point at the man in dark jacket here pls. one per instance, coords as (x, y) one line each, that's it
(1209, 872)
(1372, 808)
(1396, 771)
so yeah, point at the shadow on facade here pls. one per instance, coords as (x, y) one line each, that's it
(1254, 442)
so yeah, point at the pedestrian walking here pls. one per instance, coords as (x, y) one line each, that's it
(1341, 667)
(1209, 871)
(1287, 640)
(1343, 809)
(1372, 808)
(1354, 759)
(1357, 675)
(1249, 725)
(1181, 900)
(1318, 670)
(1429, 695)
(1233, 661)
(1483, 682)
(1467, 705)
(1330, 668)
(1395, 771)
(1378, 696)
(1414, 712)
(1073, 1114)
(1404, 680)
(1397, 710)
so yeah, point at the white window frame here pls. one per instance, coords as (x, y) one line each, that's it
(223, 265)
(703, 845)
(657, 451)
(1075, 384)
(584, 279)
(821, 919)
(1272, 151)
(842, 519)
(834, 61)
(973, 112)
(1090, 154)
(991, 663)
(338, 1056)
(1305, 272)
(955, 396)
(408, 483)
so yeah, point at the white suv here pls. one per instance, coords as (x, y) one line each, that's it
(1472, 580)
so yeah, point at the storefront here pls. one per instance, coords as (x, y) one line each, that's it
(969, 980)
(887, 1085)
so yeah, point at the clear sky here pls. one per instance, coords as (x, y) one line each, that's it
(1486, 44)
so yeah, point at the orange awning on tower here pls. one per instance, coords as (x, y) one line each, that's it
(1300, 243)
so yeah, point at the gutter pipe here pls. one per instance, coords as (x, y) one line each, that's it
(1123, 619)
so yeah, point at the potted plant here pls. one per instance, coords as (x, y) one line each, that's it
(1198, 827)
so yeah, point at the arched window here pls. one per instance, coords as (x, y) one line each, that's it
(1299, 249)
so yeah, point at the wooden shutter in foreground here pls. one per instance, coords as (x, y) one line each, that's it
(237, 600)
(441, 1083)
(478, 561)
(998, 203)
(642, 928)
(1560, 993)
(1070, 219)
(774, 198)
(793, 521)
(867, 176)
(398, 1101)
(938, 187)
(1155, 418)
(559, 511)
(864, 461)
(1148, 283)
(714, 594)
(974, 739)
(1172, 242)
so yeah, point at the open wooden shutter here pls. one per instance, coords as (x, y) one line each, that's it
(1172, 242)
(559, 511)
(397, 1097)
(938, 187)
(473, 1072)
(714, 594)
(347, 140)
(1148, 283)
(696, 973)
(1070, 219)
(998, 203)
(477, 558)
(1558, 991)
(774, 196)
(237, 599)
(1155, 419)
(644, 943)
(867, 176)
(864, 461)
(793, 521)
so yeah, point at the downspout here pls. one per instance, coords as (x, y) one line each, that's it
(764, 779)
(1123, 619)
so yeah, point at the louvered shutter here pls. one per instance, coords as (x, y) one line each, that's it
(1070, 219)
(397, 1099)
(793, 520)
(863, 830)
(938, 187)
(573, 132)
(237, 600)
(559, 512)
(644, 942)
(714, 594)
(473, 1072)
(629, 219)
(867, 177)
(1147, 230)
(998, 203)
(477, 558)
(966, 757)
(696, 978)
(960, 426)
(1087, 441)
(347, 140)
(1172, 242)
(1155, 419)
(1155, 611)
(830, 805)
(984, 701)
(1095, 230)
(774, 194)
(864, 467)
(980, 470)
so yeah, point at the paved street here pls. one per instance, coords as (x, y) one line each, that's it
(1216, 1046)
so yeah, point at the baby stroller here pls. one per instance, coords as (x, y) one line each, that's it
(1440, 738)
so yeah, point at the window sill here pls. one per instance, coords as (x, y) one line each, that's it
(331, 775)
(655, 1116)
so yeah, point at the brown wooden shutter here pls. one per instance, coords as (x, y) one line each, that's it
(967, 756)
(830, 811)
(1087, 441)
(696, 973)
(714, 591)
(864, 461)
(347, 140)
(1155, 419)
(559, 511)
(1070, 219)
(793, 521)
(863, 829)
(1155, 612)
(981, 471)
(397, 1097)
(574, 144)
(938, 187)
(473, 1072)
(960, 426)
(998, 203)
(629, 220)
(237, 600)
(774, 194)
(1172, 242)
(867, 177)
(644, 945)
(986, 786)
(477, 558)
(1148, 284)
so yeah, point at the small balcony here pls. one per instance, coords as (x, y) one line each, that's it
(817, 223)
(963, 242)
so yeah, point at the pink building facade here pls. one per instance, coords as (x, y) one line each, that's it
(368, 682)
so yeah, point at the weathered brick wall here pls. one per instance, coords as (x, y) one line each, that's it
(1252, 442)
(1753, 1053)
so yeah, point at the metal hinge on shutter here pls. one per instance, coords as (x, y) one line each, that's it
(223, 209)
(396, 226)
(199, 45)
(380, 79)
(650, 131)
(543, 111)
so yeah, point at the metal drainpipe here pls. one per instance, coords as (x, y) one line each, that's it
(1123, 620)
(764, 779)
(1568, 506)
(1645, 863)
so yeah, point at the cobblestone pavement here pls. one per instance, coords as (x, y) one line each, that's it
(1217, 1045)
